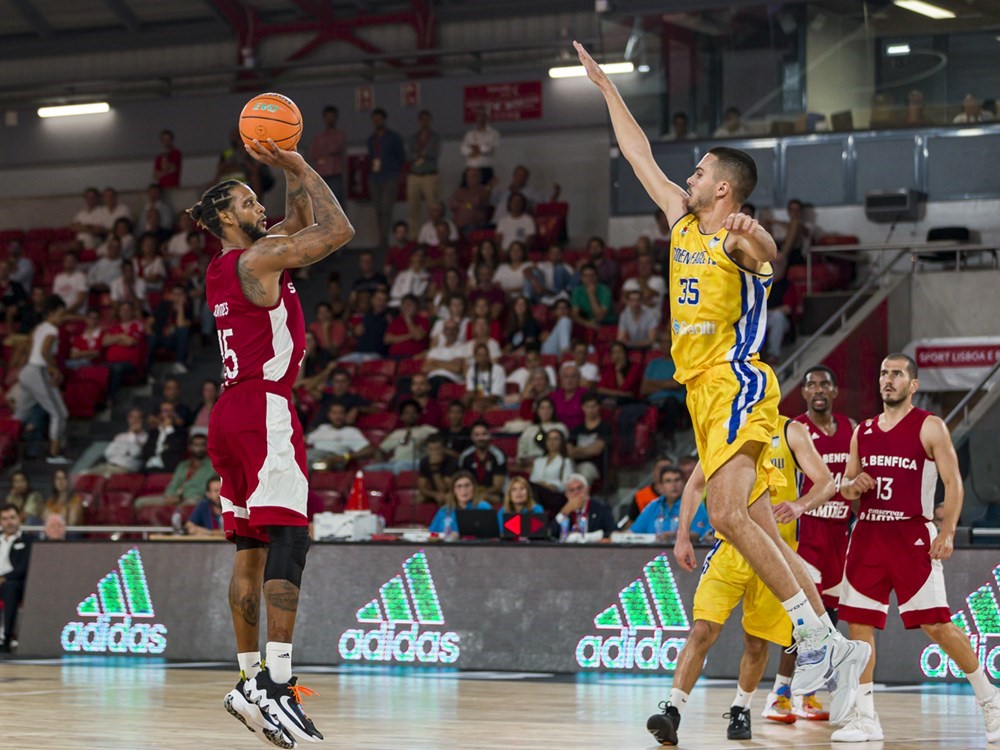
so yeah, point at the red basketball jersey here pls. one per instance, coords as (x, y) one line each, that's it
(905, 477)
(256, 343)
(834, 450)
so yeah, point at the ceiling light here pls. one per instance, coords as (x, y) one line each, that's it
(925, 9)
(643, 68)
(578, 71)
(69, 110)
(897, 49)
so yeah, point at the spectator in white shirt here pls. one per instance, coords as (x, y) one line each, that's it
(732, 126)
(413, 280)
(71, 285)
(509, 276)
(402, 449)
(590, 374)
(446, 362)
(335, 444)
(485, 380)
(650, 285)
(112, 209)
(972, 111)
(553, 469)
(428, 234)
(517, 225)
(124, 453)
(177, 245)
(679, 130)
(637, 324)
(532, 361)
(455, 310)
(481, 335)
(128, 288)
(89, 221)
(519, 184)
(105, 270)
(480, 145)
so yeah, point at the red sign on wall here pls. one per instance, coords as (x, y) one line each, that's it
(409, 94)
(506, 102)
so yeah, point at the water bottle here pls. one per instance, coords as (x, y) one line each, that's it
(563, 528)
(449, 527)
(177, 521)
(581, 524)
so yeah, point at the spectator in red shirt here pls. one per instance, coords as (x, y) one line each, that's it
(398, 256)
(620, 377)
(167, 165)
(407, 334)
(124, 343)
(486, 288)
(85, 348)
(326, 152)
(568, 398)
(330, 333)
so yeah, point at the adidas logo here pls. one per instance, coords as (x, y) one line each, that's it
(404, 604)
(123, 593)
(983, 632)
(868, 431)
(919, 543)
(645, 609)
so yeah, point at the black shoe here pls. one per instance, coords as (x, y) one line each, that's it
(284, 703)
(663, 726)
(739, 723)
(5, 647)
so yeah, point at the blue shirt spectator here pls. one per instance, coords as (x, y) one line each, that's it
(387, 154)
(646, 522)
(661, 369)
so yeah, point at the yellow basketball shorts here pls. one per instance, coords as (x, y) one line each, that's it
(727, 577)
(731, 405)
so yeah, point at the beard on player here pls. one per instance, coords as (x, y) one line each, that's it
(254, 231)
(891, 398)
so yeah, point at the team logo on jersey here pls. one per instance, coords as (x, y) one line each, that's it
(684, 231)
(981, 623)
(646, 610)
(714, 242)
(405, 606)
(122, 596)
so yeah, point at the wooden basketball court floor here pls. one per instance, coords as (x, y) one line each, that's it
(140, 705)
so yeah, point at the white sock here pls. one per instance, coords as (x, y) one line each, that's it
(825, 619)
(803, 617)
(249, 664)
(279, 661)
(678, 699)
(866, 699)
(980, 684)
(743, 698)
(781, 681)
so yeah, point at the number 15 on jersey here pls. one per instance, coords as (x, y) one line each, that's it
(689, 292)
(228, 355)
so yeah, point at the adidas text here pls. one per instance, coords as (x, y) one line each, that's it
(121, 638)
(628, 651)
(409, 645)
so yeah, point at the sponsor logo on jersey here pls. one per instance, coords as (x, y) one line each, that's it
(120, 615)
(638, 625)
(698, 328)
(980, 621)
(688, 258)
(398, 618)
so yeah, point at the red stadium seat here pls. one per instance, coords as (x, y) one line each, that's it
(90, 483)
(131, 483)
(507, 445)
(496, 418)
(332, 500)
(378, 368)
(116, 509)
(384, 421)
(376, 391)
(339, 481)
(450, 391)
(409, 367)
(406, 480)
(156, 484)
(155, 515)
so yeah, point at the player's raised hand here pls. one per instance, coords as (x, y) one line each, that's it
(273, 156)
(594, 72)
(684, 553)
(942, 546)
(741, 224)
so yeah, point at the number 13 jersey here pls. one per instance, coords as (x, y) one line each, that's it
(256, 343)
(718, 309)
(905, 476)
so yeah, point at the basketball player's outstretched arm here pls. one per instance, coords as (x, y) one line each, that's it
(937, 442)
(634, 145)
(330, 232)
(811, 463)
(298, 208)
(690, 500)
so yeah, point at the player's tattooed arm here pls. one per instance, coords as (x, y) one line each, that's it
(298, 207)
(252, 287)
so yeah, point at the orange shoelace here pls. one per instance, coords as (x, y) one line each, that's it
(301, 691)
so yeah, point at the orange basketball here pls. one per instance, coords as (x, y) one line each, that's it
(271, 116)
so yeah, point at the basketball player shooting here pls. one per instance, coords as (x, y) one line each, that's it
(254, 436)
(720, 274)
(896, 458)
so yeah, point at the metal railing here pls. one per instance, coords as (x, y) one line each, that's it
(840, 316)
(963, 405)
(145, 531)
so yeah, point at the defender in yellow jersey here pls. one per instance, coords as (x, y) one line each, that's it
(727, 578)
(720, 267)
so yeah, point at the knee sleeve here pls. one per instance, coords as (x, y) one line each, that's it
(286, 553)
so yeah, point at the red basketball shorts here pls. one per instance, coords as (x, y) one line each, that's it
(823, 546)
(256, 446)
(893, 556)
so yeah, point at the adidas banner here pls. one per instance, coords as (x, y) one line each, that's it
(485, 607)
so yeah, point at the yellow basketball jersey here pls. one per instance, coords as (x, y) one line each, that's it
(717, 307)
(784, 461)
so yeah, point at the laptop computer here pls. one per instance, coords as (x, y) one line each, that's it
(525, 526)
(479, 524)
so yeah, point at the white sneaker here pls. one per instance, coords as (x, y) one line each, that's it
(778, 706)
(261, 725)
(991, 713)
(834, 659)
(860, 728)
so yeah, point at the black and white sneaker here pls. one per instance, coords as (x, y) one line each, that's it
(284, 703)
(739, 723)
(263, 726)
(663, 726)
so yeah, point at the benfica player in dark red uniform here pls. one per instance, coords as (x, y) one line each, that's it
(254, 436)
(896, 458)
